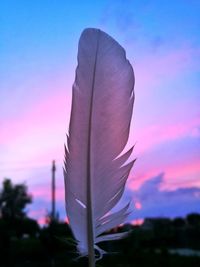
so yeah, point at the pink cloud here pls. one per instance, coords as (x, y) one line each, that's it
(38, 215)
(39, 134)
(44, 192)
(163, 131)
(137, 222)
(138, 205)
(186, 166)
(42, 201)
(185, 174)
(177, 174)
(47, 114)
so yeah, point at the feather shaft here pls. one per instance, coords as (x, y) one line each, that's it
(89, 190)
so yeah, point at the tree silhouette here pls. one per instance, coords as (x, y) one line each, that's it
(13, 200)
(193, 219)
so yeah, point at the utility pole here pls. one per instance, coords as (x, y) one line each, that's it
(53, 188)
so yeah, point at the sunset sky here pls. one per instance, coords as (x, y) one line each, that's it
(38, 57)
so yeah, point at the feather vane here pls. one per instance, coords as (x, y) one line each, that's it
(95, 175)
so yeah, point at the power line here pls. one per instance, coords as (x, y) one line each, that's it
(46, 165)
(23, 168)
(25, 162)
(23, 165)
(165, 181)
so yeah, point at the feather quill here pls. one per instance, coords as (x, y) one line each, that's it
(94, 173)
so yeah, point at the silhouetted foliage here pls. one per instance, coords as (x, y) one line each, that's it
(179, 222)
(193, 219)
(148, 244)
(24, 244)
(13, 220)
(13, 200)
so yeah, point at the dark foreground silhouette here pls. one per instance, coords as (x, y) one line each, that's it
(158, 242)
(155, 243)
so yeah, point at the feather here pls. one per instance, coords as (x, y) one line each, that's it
(95, 173)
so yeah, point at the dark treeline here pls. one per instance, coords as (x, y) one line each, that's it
(24, 243)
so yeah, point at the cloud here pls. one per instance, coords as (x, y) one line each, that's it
(179, 159)
(156, 70)
(44, 192)
(149, 200)
(166, 130)
(41, 205)
(48, 113)
(39, 215)
(156, 202)
(120, 16)
(156, 43)
(39, 134)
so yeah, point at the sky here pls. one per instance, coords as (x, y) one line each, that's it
(38, 57)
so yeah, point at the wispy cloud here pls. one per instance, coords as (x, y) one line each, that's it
(38, 132)
(41, 206)
(154, 70)
(44, 192)
(165, 131)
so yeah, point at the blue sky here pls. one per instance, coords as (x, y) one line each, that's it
(38, 52)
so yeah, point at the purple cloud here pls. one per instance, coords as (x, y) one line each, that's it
(156, 202)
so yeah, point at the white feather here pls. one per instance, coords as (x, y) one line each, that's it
(102, 104)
